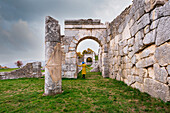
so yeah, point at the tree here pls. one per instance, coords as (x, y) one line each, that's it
(18, 63)
(79, 55)
(84, 52)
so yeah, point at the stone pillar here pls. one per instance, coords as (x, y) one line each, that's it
(93, 60)
(52, 57)
(105, 63)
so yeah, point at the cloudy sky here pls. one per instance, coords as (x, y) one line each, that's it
(22, 22)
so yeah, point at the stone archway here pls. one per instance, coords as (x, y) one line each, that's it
(75, 32)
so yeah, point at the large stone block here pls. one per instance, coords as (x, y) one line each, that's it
(134, 29)
(160, 73)
(126, 33)
(163, 31)
(142, 72)
(156, 89)
(147, 52)
(138, 41)
(166, 9)
(162, 54)
(150, 4)
(156, 14)
(143, 21)
(71, 32)
(139, 13)
(146, 62)
(131, 80)
(150, 37)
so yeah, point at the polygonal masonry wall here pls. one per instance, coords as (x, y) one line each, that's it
(135, 46)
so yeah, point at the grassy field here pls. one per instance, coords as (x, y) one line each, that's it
(8, 70)
(93, 94)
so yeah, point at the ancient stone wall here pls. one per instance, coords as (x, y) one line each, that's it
(139, 47)
(30, 70)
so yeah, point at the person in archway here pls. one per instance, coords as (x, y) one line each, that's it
(84, 66)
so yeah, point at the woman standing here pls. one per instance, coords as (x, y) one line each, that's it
(83, 69)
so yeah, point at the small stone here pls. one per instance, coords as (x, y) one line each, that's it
(125, 50)
(131, 41)
(133, 60)
(154, 24)
(168, 69)
(139, 79)
(151, 72)
(150, 37)
(146, 29)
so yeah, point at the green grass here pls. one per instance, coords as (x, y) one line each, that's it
(8, 70)
(42, 70)
(93, 94)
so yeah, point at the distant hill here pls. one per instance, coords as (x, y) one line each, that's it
(12, 65)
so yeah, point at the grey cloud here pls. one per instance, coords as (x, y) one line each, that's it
(22, 22)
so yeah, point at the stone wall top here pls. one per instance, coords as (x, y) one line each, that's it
(83, 22)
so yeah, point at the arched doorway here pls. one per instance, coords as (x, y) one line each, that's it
(75, 32)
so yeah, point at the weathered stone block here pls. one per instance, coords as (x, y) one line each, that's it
(146, 62)
(166, 9)
(126, 59)
(134, 29)
(146, 29)
(143, 21)
(139, 86)
(163, 31)
(71, 32)
(138, 41)
(139, 13)
(72, 45)
(168, 79)
(151, 72)
(139, 79)
(131, 41)
(125, 50)
(150, 4)
(168, 69)
(131, 80)
(156, 89)
(147, 52)
(133, 60)
(149, 37)
(154, 24)
(126, 33)
(160, 73)
(162, 54)
(156, 14)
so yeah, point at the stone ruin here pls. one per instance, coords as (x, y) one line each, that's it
(92, 56)
(134, 47)
(30, 70)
